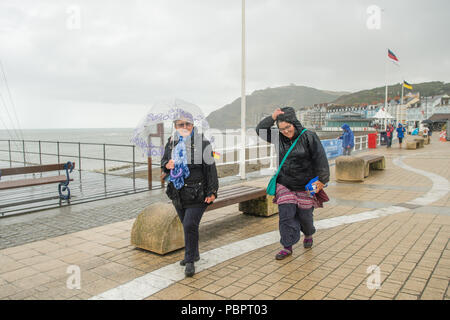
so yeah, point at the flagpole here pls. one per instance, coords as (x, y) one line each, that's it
(386, 91)
(401, 108)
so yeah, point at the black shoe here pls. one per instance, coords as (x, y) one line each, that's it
(183, 262)
(190, 269)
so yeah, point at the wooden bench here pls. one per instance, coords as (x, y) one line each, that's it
(158, 228)
(63, 180)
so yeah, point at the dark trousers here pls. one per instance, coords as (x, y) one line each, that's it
(389, 141)
(347, 151)
(190, 218)
(292, 221)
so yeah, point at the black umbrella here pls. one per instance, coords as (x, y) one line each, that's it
(427, 121)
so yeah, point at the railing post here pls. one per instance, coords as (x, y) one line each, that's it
(360, 142)
(40, 153)
(24, 161)
(134, 168)
(149, 172)
(104, 160)
(57, 150)
(271, 155)
(9, 148)
(79, 158)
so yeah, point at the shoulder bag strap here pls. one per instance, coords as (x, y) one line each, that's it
(290, 149)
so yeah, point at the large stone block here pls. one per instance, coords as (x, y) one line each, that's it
(349, 168)
(262, 206)
(421, 142)
(377, 165)
(158, 229)
(411, 145)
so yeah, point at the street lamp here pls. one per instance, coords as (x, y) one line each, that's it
(243, 106)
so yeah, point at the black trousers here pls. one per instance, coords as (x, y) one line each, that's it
(292, 221)
(190, 218)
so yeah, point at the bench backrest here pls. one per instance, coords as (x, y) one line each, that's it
(33, 169)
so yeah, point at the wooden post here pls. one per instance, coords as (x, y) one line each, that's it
(159, 134)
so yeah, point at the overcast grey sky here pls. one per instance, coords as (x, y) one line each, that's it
(108, 67)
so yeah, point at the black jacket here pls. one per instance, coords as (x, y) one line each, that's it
(306, 161)
(202, 181)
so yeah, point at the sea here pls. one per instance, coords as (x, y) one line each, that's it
(71, 142)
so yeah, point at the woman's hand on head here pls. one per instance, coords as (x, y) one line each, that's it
(276, 113)
(170, 165)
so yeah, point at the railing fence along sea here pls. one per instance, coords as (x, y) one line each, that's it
(107, 163)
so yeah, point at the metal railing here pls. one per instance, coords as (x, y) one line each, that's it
(361, 142)
(78, 157)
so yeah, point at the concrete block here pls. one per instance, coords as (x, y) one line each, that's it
(158, 229)
(262, 206)
(411, 145)
(421, 142)
(349, 168)
(378, 165)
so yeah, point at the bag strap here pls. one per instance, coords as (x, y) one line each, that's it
(290, 149)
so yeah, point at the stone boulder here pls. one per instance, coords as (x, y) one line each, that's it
(262, 206)
(349, 168)
(158, 229)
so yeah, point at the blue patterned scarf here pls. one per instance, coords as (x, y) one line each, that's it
(181, 170)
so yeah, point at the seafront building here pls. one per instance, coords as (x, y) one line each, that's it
(361, 117)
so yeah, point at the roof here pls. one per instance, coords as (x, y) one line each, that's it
(438, 117)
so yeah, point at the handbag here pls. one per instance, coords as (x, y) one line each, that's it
(272, 186)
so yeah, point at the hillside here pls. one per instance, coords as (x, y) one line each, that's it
(433, 88)
(263, 102)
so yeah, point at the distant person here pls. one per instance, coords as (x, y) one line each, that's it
(400, 134)
(348, 139)
(425, 131)
(389, 134)
(306, 161)
(193, 182)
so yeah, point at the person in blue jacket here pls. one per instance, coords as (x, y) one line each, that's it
(348, 139)
(400, 134)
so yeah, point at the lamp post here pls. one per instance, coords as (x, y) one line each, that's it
(243, 106)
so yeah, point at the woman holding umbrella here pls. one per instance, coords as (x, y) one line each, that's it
(193, 183)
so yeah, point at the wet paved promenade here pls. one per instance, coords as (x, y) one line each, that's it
(396, 222)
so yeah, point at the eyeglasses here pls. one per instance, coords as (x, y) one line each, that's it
(183, 125)
(285, 128)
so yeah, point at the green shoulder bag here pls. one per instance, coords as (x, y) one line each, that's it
(272, 186)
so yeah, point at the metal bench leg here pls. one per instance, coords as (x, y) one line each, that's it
(64, 186)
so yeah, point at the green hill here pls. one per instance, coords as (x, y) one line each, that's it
(263, 102)
(433, 88)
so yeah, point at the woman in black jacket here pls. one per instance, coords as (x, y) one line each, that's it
(189, 162)
(306, 161)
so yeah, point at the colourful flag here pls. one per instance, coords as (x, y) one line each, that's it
(216, 155)
(407, 85)
(392, 55)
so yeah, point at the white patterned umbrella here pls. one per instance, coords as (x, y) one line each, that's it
(166, 112)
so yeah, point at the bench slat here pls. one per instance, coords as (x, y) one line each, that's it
(233, 191)
(33, 169)
(31, 182)
(236, 198)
